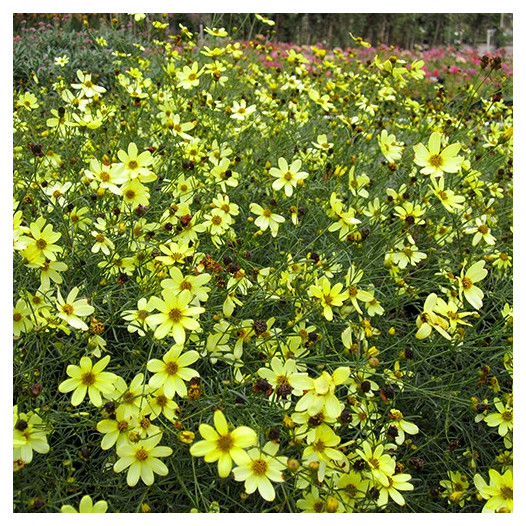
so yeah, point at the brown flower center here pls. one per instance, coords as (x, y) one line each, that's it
(88, 378)
(141, 454)
(259, 466)
(171, 368)
(175, 315)
(225, 443)
(436, 161)
(67, 308)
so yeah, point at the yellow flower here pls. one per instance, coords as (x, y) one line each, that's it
(390, 148)
(115, 429)
(455, 488)
(175, 315)
(42, 244)
(262, 468)
(29, 435)
(322, 446)
(503, 419)
(428, 320)
(240, 111)
(189, 76)
(467, 286)
(498, 493)
(142, 459)
(319, 395)
(266, 219)
(86, 85)
(287, 177)
(224, 446)
(71, 309)
(27, 101)
(90, 379)
(86, 506)
(396, 483)
(328, 296)
(435, 161)
(380, 464)
(134, 165)
(172, 371)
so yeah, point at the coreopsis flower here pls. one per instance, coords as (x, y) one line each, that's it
(86, 506)
(189, 76)
(224, 446)
(380, 465)
(195, 284)
(87, 87)
(501, 260)
(448, 198)
(175, 315)
(107, 176)
(287, 177)
(455, 488)
(88, 378)
(352, 278)
(278, 376)
(61, 61)
(319, 392)
(503, 418)
(467, 287)
(428, 320)
(215, 32)
(406, 254)
(72, 310)
(346, 222)
(321, 446)
(482, 232)
(328, 296)
(102, 243)
(312, 502)
(115, 429)
(42, 245)
(176, 252)
(390, 148)
(134, 194)
(134, 165)
(240, 111)
(28, 101)
(498, 493)
(29, 434)
(266, 219)
(402, 426)
(353, 487)
(264, 19)
(172, 371)
(130, 397)
(137, 317)
(449, 311)
(22, 315)
(395, 484)
(180, 128)
(263, 468)
(142, 460)
(416, 70)
(357, 184)
(433, 160)
(410, 213)
(158, 403)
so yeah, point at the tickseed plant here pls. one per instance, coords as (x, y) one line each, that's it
(258, 277)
